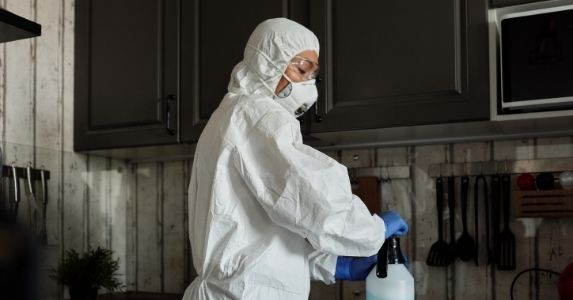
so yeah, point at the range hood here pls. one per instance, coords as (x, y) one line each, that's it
(13, 27)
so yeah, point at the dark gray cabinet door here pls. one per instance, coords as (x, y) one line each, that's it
(400, 63)
(126, 73)
(214, 35)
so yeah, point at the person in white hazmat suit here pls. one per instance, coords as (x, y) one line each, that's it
(268, 213)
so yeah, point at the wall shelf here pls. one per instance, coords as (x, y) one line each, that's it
(501, 166)
(14, 27)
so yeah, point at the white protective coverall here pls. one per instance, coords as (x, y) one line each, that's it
(266, 212)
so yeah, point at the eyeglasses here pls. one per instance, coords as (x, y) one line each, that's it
(305, 68)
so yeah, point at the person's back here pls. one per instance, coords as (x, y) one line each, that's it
(217, 215)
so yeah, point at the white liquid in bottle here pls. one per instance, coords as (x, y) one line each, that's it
(399, 285)
(395, 281)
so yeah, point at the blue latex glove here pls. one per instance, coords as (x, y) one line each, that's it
(395, 225)
(354, 268)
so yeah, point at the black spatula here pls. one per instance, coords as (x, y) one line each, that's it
(466, 246)
(453, 250)
(439, 252)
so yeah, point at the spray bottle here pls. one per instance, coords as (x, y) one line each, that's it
(390, 280)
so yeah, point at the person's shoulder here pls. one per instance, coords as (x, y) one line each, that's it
(264, 113)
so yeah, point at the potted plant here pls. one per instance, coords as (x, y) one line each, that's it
(85, 275)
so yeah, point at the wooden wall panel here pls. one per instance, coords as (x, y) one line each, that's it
(467, 273)
(48, 75)
(174, 238)
(75, 198)
(149, 227)
(131, 231)
(120, 181)
(19, 67)
(424, 224)
(98, 186)
(358, 158)
(553, 241)
(67, 75)
(524, 230)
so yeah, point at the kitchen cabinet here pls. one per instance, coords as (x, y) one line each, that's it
(321, 291)
(353, 290)
(151, 72)
(400, 63)
(126, 73)
(500, 3)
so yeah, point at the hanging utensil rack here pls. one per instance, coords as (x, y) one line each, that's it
(526, 204)
(501, 166)
(21, 172)
(382, 173)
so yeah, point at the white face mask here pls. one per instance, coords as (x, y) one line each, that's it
(298, 97)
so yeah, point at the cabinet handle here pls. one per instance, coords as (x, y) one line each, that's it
(171, 100)
(357, 292)
(317, 116)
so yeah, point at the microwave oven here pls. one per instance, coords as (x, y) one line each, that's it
(533, 57)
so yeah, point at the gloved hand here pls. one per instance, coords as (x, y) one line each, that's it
(395, 225)
(354, 268)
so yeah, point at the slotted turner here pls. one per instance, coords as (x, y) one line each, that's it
(439, 252)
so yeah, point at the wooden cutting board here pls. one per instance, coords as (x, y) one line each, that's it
(368, 189)
(539, 204)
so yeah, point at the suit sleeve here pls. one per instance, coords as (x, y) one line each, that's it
(306, 191)
(322, 266)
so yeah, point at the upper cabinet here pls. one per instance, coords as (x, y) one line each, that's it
(127, 64)
(400, 63)
(151, 72)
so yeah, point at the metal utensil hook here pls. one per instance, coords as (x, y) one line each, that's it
(29, 178)
(387, 179)
(15, 181)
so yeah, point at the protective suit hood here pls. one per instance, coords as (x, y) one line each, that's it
(270, 48)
